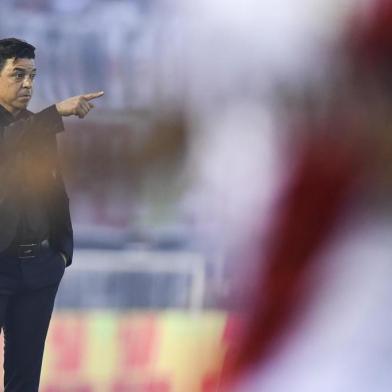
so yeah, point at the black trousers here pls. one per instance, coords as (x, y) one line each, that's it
(26, 307)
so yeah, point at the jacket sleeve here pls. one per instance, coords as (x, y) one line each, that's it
(63, 223)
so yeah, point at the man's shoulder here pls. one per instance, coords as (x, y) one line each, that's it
(49, 120)
(5, 116)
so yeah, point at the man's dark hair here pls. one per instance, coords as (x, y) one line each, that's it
(15, 48)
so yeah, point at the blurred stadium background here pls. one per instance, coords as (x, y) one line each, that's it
(165, 175)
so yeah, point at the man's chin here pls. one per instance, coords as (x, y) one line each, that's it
(21, 105)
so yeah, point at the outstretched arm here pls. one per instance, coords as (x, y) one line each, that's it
(14, 136)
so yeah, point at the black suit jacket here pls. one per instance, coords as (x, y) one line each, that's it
(35, 133)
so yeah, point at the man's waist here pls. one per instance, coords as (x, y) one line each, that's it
(26, 250)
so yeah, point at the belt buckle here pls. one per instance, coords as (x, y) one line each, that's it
(28, 251)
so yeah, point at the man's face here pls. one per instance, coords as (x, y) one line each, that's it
(16, 84)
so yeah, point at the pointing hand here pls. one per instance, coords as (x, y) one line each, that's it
(79, 105)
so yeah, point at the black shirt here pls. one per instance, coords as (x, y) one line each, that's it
(34, 221)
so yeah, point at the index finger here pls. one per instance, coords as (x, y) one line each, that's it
(90, 96)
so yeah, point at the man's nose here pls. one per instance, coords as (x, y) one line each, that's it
(27, 82)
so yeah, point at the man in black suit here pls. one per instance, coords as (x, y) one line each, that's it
(36, 240)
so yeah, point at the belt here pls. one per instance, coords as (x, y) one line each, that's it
(27, 251)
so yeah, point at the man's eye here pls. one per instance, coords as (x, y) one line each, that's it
(19, 75)
(32, 76)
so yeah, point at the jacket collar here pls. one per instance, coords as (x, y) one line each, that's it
(7, 118)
